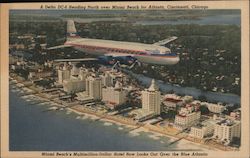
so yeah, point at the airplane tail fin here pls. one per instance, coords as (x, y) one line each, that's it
(71, 35)
(71, 31)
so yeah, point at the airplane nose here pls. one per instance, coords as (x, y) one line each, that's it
(176, 60)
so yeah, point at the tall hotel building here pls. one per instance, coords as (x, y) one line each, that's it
(151, 99)
(63, 74)
(83, 73)
(94, 87)
(107, 80)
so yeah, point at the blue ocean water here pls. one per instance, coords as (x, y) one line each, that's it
(31, 129)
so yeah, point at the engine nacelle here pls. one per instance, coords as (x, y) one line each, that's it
(127, 60)
(109, 60)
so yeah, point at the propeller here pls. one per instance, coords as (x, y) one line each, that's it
(136, 62)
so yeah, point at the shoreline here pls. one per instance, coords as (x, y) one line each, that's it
(111, 119)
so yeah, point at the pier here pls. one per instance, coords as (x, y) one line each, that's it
(175, 141)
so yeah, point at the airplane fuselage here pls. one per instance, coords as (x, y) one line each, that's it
(146, 53)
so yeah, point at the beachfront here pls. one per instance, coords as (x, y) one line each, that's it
(135, 126)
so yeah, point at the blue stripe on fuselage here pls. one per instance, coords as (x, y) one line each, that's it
(170, 54)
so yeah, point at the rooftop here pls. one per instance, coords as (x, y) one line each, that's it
(153, 86)
(226, 122)
(173, 100)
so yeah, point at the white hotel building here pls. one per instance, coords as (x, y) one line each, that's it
(107, 80)
(203, 129)
(73, 85)
(114, 96)
(226, 130)
(63, 74)
(94, 87)
(187, 117)
(151, 101)
(215, 108)
(76, 83)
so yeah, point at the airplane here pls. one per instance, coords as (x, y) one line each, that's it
(155, 53)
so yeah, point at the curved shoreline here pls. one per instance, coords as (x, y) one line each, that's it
(145, 128)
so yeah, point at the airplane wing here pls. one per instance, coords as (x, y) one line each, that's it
(76, 60)
(165, 41)
(58, 47)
